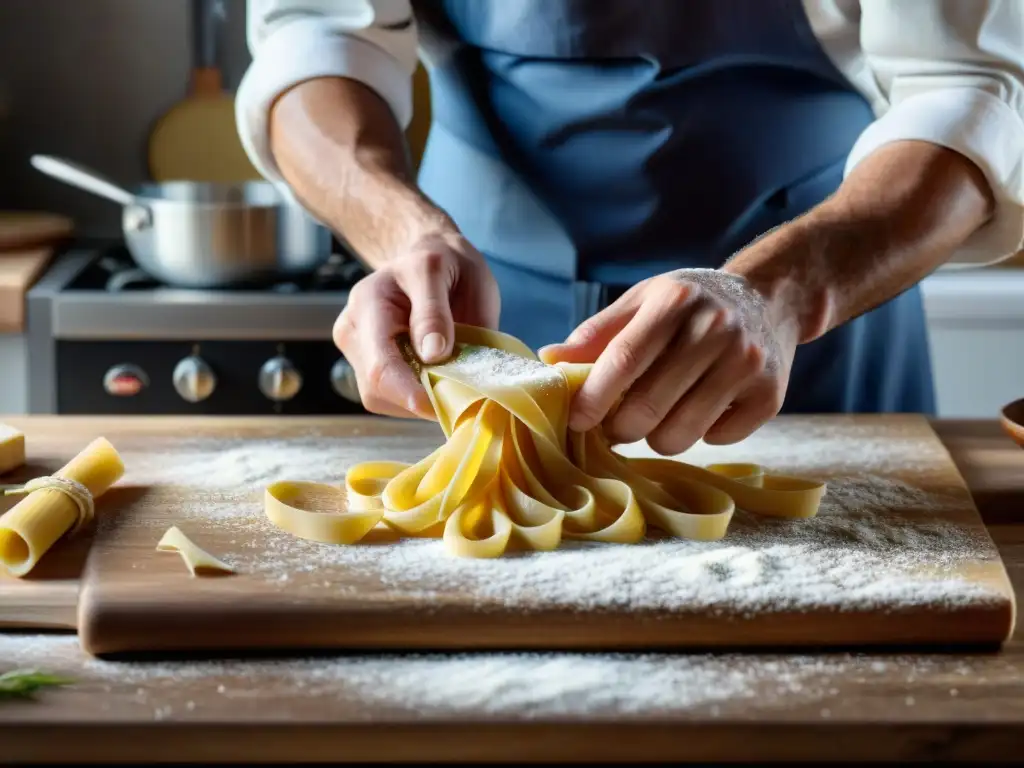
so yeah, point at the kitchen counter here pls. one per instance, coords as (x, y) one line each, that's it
(975, 318)
(708, 707)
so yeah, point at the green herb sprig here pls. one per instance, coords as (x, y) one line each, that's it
(23, 683)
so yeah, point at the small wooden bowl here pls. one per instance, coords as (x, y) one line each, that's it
(1012, 421)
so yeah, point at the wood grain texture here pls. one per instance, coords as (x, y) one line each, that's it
(851, 707)
(134, 599)
(990, 463)
(19, 271)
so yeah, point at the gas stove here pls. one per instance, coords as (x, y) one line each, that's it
(105, 338)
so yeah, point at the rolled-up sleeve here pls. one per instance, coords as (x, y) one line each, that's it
(292, 41)
(952, 73)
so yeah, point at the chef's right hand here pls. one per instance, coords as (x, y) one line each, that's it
(442, 280)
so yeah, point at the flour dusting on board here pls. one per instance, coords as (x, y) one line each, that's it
(876, 543)
(848, 556)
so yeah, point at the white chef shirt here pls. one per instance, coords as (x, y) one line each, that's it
(950, 72)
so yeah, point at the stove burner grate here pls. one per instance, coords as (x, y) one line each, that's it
(115, 272)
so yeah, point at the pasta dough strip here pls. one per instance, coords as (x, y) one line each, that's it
(197, 559)
(512, 476)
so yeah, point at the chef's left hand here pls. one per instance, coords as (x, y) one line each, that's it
(695, 353)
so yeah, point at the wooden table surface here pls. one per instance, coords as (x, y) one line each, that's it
(706, 707)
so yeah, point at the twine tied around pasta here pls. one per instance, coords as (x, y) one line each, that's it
(73, 489)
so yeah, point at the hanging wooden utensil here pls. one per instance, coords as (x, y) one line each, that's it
(197, 139)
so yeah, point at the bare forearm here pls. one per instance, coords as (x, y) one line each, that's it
(340, 148)
(895, 219)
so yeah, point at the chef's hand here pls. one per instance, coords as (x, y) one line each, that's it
(695, 353)
(440, 281)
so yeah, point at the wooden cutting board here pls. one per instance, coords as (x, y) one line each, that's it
(897, 555)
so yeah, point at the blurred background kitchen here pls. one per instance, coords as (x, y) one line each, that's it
(81, 332)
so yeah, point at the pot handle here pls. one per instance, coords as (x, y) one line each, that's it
(83, 178)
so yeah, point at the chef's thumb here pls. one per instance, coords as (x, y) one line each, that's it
(431, 325)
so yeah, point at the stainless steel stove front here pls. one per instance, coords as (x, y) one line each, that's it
(179, 351)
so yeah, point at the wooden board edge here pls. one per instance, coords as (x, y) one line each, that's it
(89, 630)
(123, 623)
(1005, 585)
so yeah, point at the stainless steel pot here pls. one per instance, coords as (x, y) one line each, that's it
(204, 235)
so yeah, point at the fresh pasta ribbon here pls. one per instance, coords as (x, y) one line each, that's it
(511, 475)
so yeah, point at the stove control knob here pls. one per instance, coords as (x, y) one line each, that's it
(125, 380)
(343, 379)
(194, 379)
(279, 379)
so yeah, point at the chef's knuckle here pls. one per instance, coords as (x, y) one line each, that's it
(676, 292)
(731, 333)
(747, 366)
(343, 329)
(430, 315)
(639, 411)
(355, 294)
(615, 432)
(584, 334)
(429, 307)
(738, 348)
(753, 359)
(433, 263)
(623, 356)
(370, 402)
(376, 376)
(702, 301)
(587, 410)
(358, 293)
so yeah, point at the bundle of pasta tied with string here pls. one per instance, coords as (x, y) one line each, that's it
(512, 476)
(55, 505)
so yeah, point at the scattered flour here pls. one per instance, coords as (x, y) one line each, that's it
(877, 542)
(517, 685)
(850, 556)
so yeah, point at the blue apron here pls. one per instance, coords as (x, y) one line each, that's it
(584, 145)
